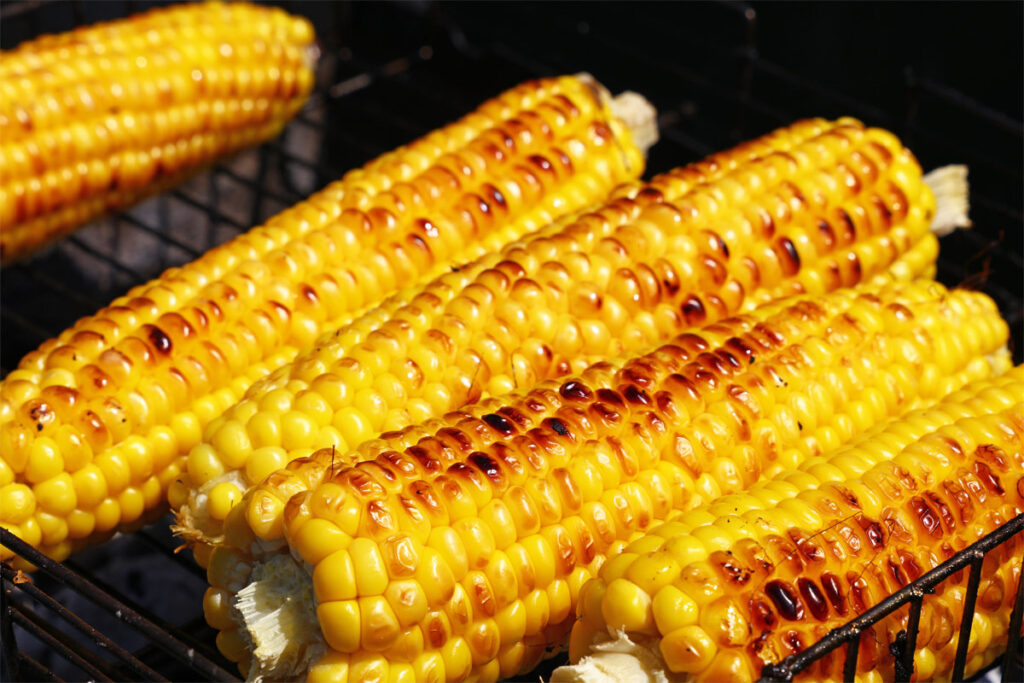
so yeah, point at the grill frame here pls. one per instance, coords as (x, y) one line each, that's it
(721, 105)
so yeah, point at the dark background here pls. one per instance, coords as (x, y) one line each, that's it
(945, 76)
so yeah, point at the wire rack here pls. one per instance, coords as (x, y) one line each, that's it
(131, 608)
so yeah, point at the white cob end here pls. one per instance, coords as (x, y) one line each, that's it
(632, 109)
(277, 612)
(640, 117)
(952, 198)
(615, 658)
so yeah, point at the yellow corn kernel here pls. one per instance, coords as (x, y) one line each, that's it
(687, 649)
(17, 503)
(223, 497)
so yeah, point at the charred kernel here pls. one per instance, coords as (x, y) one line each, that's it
(499, 424)
(948, 519)
(873, 531)
(785, 599)
(515, 416)
(793, 640)
(763, 615)
(834, 591)
(693, 311)
(828, 237)
(813, 597)
(788, 256)
(487, 465)
(636, 395)
(158, 338)
(575, 391)
(557, 425)
(609, 396)
(910, 565)
(928, 518)
(540, 162)
(988, 478)
(895, 572)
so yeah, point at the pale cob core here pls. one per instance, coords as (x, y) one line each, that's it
(96, 423)
(808, 208)
(98, 118)
(462, 552)
(774, 569)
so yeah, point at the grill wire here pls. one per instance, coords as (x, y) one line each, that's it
(130, 609)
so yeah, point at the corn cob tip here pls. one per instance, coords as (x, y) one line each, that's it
(615, 657)
(952, 198)
(639, 115)
(631, 108)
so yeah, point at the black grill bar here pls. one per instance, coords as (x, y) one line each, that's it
(167, 628)
(158, 233)
(39, 672)
(198, 662)
(973, 555)
(967, 618)
(139, 669)
(905, 660)
(41, 629)
(1013, 660)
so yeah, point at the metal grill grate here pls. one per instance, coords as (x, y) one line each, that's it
(388, 74)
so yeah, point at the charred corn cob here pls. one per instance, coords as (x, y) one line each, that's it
(93, 120)
(809, 208)
(97, 422)
(460, 548)
(777, 572)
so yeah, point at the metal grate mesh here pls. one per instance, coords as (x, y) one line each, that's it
(718, 74)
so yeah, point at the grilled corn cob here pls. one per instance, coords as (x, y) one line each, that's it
(93, 120)
(794, 558)
(809, 208)
(97, 422)
(460, 548)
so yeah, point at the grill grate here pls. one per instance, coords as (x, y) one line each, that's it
(715, 71)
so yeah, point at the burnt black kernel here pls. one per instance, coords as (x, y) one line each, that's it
(635, 394)
(558, 426)
(161, 342)
(814, 598)
(487, 465)
(575, 391)
(800, 426)
(833, 590)
(693, 311)
(609, 396)
(785, 599)
(499, 424)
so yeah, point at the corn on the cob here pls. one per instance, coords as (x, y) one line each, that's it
(795, 558)
(809, 208)
(97, 422)
(95, 119)
(459, 550)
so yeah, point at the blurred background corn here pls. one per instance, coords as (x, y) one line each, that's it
(811, 207)
(460, 549)
(95, 425)
(95, 119)
(801, 555)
